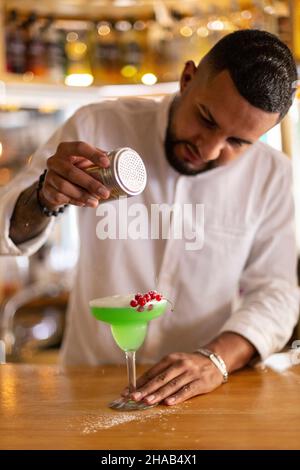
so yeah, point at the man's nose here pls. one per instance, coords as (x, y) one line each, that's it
(211, 149)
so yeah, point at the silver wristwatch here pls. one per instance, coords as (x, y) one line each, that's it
(217, 360)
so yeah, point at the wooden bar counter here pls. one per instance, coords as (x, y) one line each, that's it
(47, 407)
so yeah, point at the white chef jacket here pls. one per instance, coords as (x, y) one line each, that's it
(249, 243)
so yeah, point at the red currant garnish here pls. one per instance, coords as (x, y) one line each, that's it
(140, 300)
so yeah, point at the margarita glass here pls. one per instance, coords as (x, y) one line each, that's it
(129, 328)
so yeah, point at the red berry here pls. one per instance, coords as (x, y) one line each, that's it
(140, 308)
(133, 303)
(150, 307)
(158, 297)
(152, 294)
(147, 297)
(138, 296)
(142, 301)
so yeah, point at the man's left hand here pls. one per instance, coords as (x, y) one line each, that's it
(176, 378)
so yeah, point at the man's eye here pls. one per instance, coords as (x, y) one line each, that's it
(206, 121)
(235, 143)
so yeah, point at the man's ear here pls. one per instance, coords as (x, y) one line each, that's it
(187, 74)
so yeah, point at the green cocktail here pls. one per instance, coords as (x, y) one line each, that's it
(129, 328)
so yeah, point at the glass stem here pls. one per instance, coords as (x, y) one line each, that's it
(130, 361)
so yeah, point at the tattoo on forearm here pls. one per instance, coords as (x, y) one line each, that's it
(27, 220)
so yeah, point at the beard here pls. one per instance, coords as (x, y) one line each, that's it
(172, 143)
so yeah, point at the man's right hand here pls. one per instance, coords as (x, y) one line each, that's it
(66, 181)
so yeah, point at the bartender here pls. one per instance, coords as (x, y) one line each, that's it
(236, 298)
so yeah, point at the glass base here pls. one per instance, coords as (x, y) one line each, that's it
(123, 404)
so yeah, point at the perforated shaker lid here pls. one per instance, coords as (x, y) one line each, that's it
(130, 171)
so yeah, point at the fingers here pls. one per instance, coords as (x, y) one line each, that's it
(179, 390)
(78, 177)
(174, 385)
(189, 390)
(154, 371)
(73, 192)
(176, 378)
(160, 367)
(67, 182)
(167, 379)
(72, 150)
(52, 196)
(208, 381)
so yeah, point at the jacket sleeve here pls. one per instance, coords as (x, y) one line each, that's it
(9, 195)
(269, 302)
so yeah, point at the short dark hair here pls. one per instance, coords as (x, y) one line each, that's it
(261, 66)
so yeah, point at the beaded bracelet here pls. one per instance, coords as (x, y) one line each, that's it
(47, 212)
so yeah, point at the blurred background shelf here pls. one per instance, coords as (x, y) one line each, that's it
(99, 42)
(51, 97)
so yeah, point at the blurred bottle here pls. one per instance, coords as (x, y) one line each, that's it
(54, 40)
(106, 54)
(131, 51)
(10, 33)
(16, 44)
(36, 48)
(164, 51)
(296, 34)
(76, 48)
(279, 11)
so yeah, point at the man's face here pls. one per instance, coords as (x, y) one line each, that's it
(210, 123)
